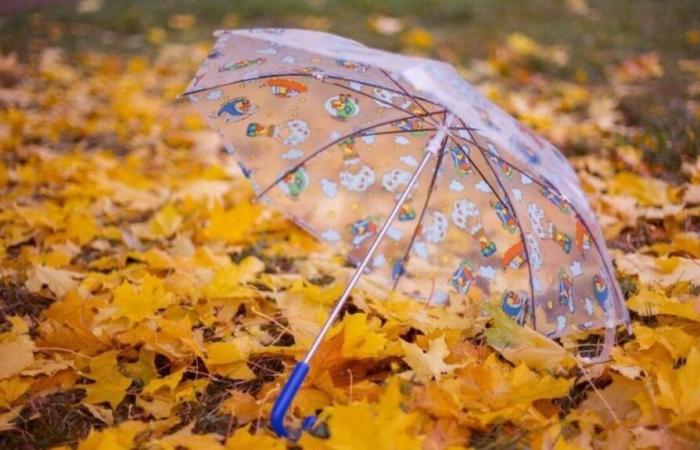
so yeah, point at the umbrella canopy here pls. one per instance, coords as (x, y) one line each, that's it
(332, 132)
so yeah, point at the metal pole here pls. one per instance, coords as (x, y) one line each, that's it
(298, 374)
(433, 147)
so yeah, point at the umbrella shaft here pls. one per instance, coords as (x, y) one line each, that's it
(368, 256)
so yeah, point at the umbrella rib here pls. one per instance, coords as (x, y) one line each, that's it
(377, 99)
(520, 228)
(359, 132)
(309, 75)
(406, 255)
(549, 185)
(478, 170)
(404, 90)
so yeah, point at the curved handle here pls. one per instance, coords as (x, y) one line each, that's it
(284, 401)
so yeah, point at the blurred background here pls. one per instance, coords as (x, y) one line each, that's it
(641, 53)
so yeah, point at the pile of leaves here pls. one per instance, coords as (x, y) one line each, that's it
(147, 303)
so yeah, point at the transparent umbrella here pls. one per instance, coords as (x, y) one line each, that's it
(417, 176)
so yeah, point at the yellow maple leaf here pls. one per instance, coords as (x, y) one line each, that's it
(164, 223)
(648, 302)
(229, 358)
(81, 227)
(235, 225)
(647, 191)
(494, 392)
(17, 353)
(137, 302)
(362, 337)
(674, 339)
(169, 381)
(521, 344)
(228, 281)
(679, 390)
(185, 439)
(120, 437)
(12, 389)
(59, 281)
(243, 440)
(384, 425)
(224, 353)
(110, 385)
(428, 364)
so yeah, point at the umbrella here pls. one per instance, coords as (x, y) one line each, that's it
(422, 180)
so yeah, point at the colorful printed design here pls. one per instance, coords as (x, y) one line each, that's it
(463, 277)
(406, 213)
(295, 183)
(486, 245)
(397, 269)
(553, 196)
(342, 107)
(466, 216)
(496, 159)
(352, 65)
(514, 303)
(600, 291)
(515, 257)
(281, 87)
(526, 151)
(583, 239)
(347, 146)
(506, 170)
(414, 125)
(562, 239)
(363, 229)
(566, 290)
(293, 132)
(384, 98)
(460, 161)
(241, 64)
(507, 220)
(237, 109)
(395, 181)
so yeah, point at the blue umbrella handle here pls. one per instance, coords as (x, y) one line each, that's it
(284, 401)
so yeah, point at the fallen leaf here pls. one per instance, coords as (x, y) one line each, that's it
(428, 364)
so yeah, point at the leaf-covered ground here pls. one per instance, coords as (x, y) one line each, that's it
(146, 303)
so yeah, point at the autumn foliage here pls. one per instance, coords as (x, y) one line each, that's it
(147, 303)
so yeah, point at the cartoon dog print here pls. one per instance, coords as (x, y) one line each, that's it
(342, 107)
